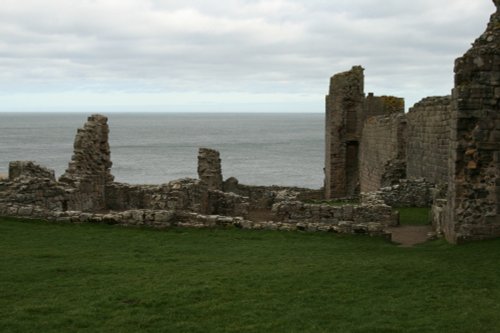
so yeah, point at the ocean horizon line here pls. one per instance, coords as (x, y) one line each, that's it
(159, 112)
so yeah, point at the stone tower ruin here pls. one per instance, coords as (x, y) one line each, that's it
(347, 108)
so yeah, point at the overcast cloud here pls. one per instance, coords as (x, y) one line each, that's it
(233, 55)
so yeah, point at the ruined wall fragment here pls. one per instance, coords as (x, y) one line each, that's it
(209, 168)
(32, 184)
(89, 170)
(428, 139)
(347, 109)
(383, 105)
(344, 115)
(474, 161)
(30, 169)
(382, 151)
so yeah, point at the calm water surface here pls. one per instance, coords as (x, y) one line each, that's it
(258, 149)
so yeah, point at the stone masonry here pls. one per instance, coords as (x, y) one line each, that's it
(90, 168)
(382, 151)
(346, 110)
(209, 168)
(428, 139)
(352, 220)
(31, 184)
(394, 146)
(450, 141)
(86, 193)
(474, 161)
(29, 169)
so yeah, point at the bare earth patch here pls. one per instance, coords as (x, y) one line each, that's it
(410, 235)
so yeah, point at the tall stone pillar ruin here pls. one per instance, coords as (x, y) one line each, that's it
(474, 161)
(344, 112)
(89, 170)
(209, 168)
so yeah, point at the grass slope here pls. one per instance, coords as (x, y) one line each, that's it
(94, 278)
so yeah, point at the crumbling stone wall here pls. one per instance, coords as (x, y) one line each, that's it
(191, 195)
(406, 193)
(383, 105)
(29, 169)
(32, 192)
(343, 219)
(32, 184)
(209, 168)
(344, 110)
(428, 139)
(123, 196)
(347, 108)
(382, 145)
(474, 163)
(89, 170)
(227, 204)
(469, 212)
(382, 151)
(372, 221)
(263, 197)
(182, 194)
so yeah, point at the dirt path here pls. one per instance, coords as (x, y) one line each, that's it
(410, 235)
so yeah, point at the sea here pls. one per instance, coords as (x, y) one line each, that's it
(284, 149)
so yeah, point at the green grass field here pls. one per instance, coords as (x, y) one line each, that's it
(414, 216)
(95, 278)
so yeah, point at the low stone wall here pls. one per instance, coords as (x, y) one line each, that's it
(363, 218)
(370, 219)
(408, 193)
(227, 204)
(263, 197)
(30, 169)
(344, 227)
(140, 217)
(42, 192)
(184, 194)
(123, 196)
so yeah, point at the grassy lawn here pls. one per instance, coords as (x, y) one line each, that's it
(94, 278)
(414, 216)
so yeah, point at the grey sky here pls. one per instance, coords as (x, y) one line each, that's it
(234, 55)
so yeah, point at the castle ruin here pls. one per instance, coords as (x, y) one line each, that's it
(453, 142)
(347, 109)
(444, 153)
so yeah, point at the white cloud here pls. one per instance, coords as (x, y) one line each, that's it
(250, 49)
